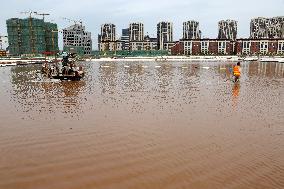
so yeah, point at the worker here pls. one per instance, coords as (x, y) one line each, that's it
(237, 72)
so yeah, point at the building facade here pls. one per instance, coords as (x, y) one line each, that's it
(147, 44)
(247, 46)
(76, 36)
(164, 34)
(227, 29)
(260, 46)
(3, 52)
(108, 32)
(136, 32)
(31, 36)
(191, 30)
(108, 46)
(125, 39)
(205, 47)
(267, 28)
(107, 37)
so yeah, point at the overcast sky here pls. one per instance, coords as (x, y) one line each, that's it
(93, 13)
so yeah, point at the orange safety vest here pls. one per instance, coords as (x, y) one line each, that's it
(237, 71)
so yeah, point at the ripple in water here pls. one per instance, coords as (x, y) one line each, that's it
(143, 125)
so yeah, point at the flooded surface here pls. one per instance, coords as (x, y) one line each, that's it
(143, 125)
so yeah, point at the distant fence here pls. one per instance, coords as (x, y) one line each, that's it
(125, 53)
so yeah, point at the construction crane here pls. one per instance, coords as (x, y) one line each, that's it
(42, 14)
(31, 30)
(28, 12)
(75, 21)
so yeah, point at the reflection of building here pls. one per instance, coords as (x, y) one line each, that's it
(227, 29)
(164, 34)
(76, 37)
(191, 30)
(31, 36)
(261, 28)
(273, 69)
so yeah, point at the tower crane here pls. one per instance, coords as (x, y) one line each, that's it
(42, 14)
(71, 20)
(28, 12)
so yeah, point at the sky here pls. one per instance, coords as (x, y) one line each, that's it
(94, 13)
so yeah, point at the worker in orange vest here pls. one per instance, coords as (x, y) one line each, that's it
(237, 71)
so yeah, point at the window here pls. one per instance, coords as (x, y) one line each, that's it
(263, 47)
(205, 47)
(280, 49)
(222, 47)
(246, 47)
(187, 47)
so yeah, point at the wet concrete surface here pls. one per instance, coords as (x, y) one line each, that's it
(144, 125)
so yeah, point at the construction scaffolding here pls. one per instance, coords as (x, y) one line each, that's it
(31, 36)
(51, 37)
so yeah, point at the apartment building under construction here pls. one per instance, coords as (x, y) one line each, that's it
(31, 36)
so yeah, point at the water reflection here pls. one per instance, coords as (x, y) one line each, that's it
(35, 96)
(265, 69)
(235, 94)
(169, 125)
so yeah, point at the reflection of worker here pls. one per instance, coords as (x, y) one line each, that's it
(237, 71)
(235, 93)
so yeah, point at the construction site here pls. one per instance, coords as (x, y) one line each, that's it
(32, 36)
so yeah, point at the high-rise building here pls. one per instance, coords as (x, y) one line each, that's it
(76, 37)
(31, 36)
(125, 39)
(282, 30)
(136, 32)
(164, 34)
(191, 30)
(258, 28)
(227, 29)
(108, 32)
(263, 28)
(99, 40)
(107, 41)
